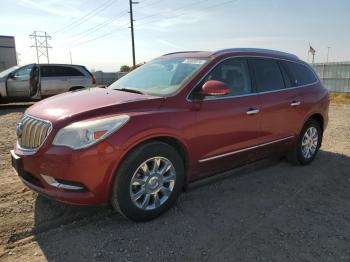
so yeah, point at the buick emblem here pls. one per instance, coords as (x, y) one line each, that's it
(19, 130)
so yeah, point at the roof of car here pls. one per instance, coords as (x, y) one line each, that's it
(57, 64)
(253, 51)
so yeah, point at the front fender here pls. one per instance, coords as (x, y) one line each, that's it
(169, 122)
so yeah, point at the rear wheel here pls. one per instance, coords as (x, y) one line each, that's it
(307, 144)
(75, 88)
(148, 181)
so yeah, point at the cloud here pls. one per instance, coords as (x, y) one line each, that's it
(167, 43)
(163, 23)
(53, 7)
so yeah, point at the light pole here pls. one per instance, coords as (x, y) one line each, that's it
(328, 47)
(70, 56)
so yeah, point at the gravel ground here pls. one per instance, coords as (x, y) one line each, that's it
(270, 211)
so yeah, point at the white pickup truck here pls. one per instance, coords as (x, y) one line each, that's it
(36, 81)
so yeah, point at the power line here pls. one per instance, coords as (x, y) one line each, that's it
(124, 26)
(151, 4)
(86, 17)
(101, 25)
(118, 29)
(201, 9)
(173, 10)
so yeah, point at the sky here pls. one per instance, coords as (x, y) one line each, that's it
(97, 33)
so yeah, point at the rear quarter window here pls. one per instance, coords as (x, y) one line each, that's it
(301, 74)
(70, 71)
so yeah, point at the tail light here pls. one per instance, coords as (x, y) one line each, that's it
(93, 80)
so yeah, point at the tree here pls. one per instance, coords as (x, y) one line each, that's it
(136, 66)
(124, 68)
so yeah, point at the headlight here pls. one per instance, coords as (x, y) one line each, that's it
(86, 133)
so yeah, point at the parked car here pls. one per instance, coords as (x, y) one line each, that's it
(181, 117)
(42, 80)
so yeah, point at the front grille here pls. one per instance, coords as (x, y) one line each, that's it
(33, 132)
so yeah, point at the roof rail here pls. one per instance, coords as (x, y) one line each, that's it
(180, 52)
(257, 50)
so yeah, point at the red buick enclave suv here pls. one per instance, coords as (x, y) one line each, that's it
(176, 119)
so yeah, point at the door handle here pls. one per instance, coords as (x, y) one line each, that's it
(295, 103)
(252, 111)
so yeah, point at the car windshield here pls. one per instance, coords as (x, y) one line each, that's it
(160, 77)
(7, 71)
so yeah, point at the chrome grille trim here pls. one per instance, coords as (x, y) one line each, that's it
(35, 133)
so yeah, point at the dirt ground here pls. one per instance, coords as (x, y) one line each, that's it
(270, 211)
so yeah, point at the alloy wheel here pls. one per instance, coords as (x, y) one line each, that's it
(152, 183)
(309, 142)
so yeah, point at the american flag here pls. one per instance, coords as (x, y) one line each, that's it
(312, 50)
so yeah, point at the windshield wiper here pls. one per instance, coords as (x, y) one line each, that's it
(130, 90)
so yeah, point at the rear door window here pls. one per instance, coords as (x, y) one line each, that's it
(268, 75)
(302, 75)
(51, 71)
(45, 71)
(59, 71)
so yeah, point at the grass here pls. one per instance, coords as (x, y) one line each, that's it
(339, 98)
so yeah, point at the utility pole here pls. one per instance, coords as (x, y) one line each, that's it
(328, 47)
(41, 45)
(132, 32)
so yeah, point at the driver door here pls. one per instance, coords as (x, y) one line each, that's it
(18, 85)
(227, 127)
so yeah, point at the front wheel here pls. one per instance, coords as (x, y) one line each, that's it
(148, 181)
(307, 144)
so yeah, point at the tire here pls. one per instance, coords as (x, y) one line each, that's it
(76, 88)
(159, 191)
(297, 154)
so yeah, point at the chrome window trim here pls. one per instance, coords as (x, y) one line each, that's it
(244, 149)
(255, 93)
(33, 151)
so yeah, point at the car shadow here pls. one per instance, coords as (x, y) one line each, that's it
(8, 109)
(268, 211)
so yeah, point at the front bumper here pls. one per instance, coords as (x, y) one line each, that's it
(81, 177)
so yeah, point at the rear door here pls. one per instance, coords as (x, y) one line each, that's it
(281, 103)
(227, 126)
(53, 80)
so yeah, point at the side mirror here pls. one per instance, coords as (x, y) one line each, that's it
(11, 75)
(214, 88)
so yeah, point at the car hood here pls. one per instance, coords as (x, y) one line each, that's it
(91, 102)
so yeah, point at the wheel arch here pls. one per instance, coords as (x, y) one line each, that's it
(175, 142)
(319, 118)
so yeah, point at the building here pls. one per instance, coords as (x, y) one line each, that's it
(8, 56)
(335, 76)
